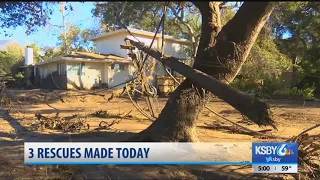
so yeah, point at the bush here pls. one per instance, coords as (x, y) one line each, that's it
(19, 75)
(306, 94)
(309, 92)
(273, 87)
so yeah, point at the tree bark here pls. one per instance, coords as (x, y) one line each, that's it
(221, 53)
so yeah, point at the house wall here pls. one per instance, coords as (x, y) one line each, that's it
(105, 76)
(47, 69)
(171, 48)
(49, 77)
(111, 45)
(91, 78)
(116, 76)
(144, 39)
(177, 50)
(95, 75)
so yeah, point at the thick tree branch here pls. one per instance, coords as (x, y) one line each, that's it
(225, 57)
(191, 33)
(253, 108)
(246, 22)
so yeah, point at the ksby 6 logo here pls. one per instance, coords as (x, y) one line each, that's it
(281, 150)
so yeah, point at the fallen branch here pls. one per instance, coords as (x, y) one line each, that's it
(138, 107)
(59, 123)
(109, 126)
(308, 167)
(309, 150)
(105, 114)
(256, 110)
(46, 101)
(303, 132)
(236, 124)
(247, 129)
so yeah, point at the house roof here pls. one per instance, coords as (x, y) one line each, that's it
(95, 56)
(139, 32)
(88, 57)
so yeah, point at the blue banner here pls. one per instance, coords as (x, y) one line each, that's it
(274, 153)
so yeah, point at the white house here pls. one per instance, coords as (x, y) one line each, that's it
(107, 67)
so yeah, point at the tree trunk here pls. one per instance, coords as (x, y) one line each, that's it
(221, 53)
(294, 78)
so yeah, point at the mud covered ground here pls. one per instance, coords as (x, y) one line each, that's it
(18, 125)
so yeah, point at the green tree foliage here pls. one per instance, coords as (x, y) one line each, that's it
(301, 20)
(265, 61)
(76, 39)
(31, 14)
(51, 53)
(13, 54)
(5, 61)
(184, 21)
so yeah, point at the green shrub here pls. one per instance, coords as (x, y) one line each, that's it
(274, 87)
(307, 93)
(19, 75)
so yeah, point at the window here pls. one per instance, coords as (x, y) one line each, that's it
(61, 68)
(121, 67)
(117, 67)
(82, 68)
(73, 69)
(76, 69)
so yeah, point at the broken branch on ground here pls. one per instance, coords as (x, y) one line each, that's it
(256, 110)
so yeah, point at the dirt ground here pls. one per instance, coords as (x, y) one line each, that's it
(16, 125)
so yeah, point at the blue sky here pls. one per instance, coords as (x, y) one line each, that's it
(48, 36)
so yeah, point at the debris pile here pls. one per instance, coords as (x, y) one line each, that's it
(103, 125)
(59, 123)
(309, 156)
(233, 129)
(106, 114)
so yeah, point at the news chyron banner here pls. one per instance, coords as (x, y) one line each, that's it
(275, 157)
(268, 157)
(136, 153)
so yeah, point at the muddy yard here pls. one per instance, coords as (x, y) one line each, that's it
(18, 124)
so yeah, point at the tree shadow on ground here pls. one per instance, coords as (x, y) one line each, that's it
(289, 103)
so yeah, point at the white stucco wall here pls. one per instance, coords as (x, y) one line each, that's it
(111, 45)
(116, 76)
(144, 39)
(171, 48)
(47, 69)
(105, 75)
(91, 77)
(94, 72)
(175, 49)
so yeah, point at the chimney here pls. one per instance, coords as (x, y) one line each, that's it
(29, 56)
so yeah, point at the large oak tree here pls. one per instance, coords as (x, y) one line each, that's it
(221, 53)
